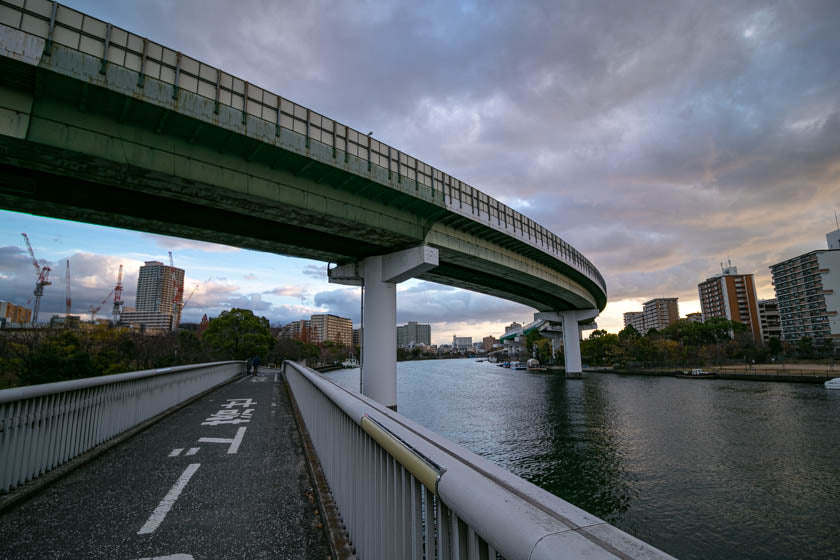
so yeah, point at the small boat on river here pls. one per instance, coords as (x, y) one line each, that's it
(833, 383)
(696, 374)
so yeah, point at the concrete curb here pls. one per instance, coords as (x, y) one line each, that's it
(33, 487)
(340, 546)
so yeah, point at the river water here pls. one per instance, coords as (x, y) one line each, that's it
(701, 468)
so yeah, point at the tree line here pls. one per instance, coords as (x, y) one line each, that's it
(688, 343)
(29, 357)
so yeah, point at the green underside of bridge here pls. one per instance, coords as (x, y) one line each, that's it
(77, 149)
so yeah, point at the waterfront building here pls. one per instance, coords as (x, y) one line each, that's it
(331, 327)
(488, 342)
(461, 342)
(768, 316)
(731, 296)
(695, 317)
(808, 293)
(637, 319)
(413, 334)
(357, 337)
(159, 289)
(16, 314)
(659, 313)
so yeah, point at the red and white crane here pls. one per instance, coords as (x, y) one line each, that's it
(118, 303)
(43, 273)
(95, 310)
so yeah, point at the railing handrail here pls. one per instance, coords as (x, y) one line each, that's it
(519, 519)
(43, 389)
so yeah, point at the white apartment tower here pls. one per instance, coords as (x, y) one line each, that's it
(159, 288)
(808, 291)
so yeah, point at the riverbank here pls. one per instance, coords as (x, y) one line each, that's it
(743, 374)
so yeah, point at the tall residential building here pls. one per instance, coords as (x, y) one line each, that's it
(488, 342)
(808, 292)
(660, 312)
(17, 314)
(768, 316)
(732, 296)
(637, 319)
(332, 327)
(158, 287)
(513, 326)
(414, 333)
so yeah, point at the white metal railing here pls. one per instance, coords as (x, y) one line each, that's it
(405, 492)
(60, 25)
(43, 426)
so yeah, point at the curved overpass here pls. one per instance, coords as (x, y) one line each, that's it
(100, 125)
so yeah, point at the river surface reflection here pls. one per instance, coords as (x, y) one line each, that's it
(699, 468)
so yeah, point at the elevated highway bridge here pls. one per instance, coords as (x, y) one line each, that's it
(100, 125)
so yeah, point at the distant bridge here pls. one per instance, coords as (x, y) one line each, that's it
(100, 125)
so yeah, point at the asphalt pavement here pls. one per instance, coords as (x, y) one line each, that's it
(223, 478)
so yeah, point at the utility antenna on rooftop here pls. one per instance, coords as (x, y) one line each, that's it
(835, 220)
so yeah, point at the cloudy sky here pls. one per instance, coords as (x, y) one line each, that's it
(659, 138)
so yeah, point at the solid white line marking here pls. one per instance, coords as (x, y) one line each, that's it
(192, 451)
(215, 440)
(175, 452)
(237, 440)
(168, 501)
(234, 442)
(275, 376)
(172, 557)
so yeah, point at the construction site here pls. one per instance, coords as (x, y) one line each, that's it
(159, 302)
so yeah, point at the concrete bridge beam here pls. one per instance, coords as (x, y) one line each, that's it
(379, 276)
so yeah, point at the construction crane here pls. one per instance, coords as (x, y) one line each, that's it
(43, 273)
(118, 297)
(67, 290)
(186, 301)
(95, 310)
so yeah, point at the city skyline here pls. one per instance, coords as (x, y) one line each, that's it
(584, 131)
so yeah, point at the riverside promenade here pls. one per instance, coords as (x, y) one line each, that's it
(223, 477)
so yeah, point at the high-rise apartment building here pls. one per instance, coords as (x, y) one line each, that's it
(660, 312)
(158, 289)
(488, 342)
(414, 333)
(732, 296)
(636, 319)
(333, 328)
(808, 293)
(768, 316)
(17, 314)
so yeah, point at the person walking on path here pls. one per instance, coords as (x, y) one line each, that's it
(255, 363)
(248, 364)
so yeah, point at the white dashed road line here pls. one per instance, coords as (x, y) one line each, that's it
(175, 452)
(168, 501)
(192, 451)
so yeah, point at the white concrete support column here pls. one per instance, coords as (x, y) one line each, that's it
(380, 275)
(571, 343)
(571, 334)
(379, 344)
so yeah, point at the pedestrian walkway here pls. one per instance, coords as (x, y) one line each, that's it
(223, 478)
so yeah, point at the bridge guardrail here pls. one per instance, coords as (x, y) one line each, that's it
(59, 25)
(405, 492)
(44, 426)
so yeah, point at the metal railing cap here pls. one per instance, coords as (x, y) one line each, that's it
(32, 391)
